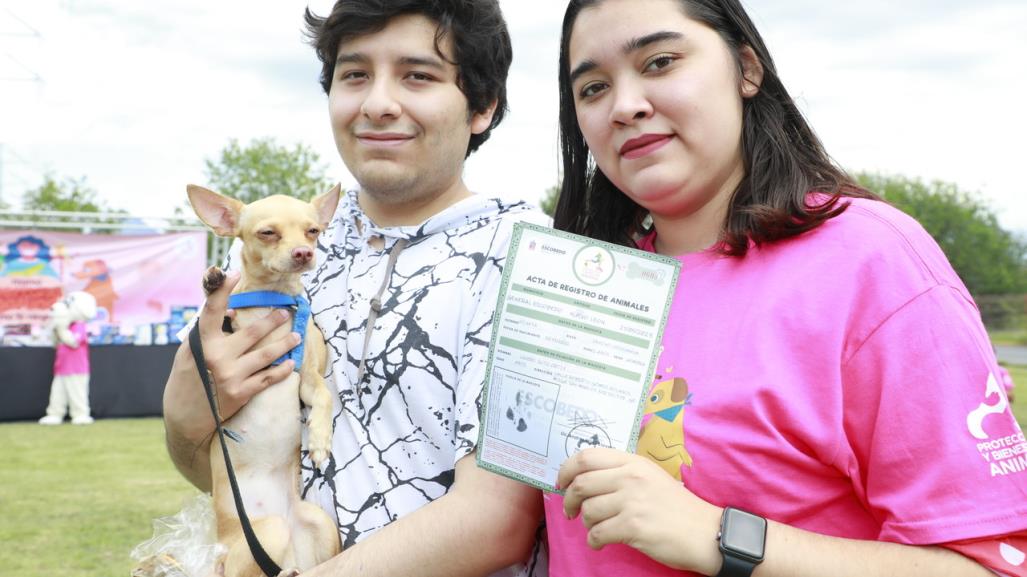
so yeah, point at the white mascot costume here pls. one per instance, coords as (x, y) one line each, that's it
(70, 389)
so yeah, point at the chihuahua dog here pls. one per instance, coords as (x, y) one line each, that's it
(278, 235)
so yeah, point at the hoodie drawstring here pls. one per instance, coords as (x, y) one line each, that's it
(376, 307)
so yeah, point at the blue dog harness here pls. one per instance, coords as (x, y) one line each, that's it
(271, 299)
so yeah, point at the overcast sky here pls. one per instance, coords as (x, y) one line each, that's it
(134, 95)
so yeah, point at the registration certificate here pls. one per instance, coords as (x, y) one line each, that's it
(575, 340)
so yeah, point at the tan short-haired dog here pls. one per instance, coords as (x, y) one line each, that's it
(279, 235)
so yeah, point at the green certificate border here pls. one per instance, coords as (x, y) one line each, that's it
(511, 257)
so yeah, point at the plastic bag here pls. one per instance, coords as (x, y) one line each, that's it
(183, 545)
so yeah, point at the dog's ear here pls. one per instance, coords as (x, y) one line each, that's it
(325, 205)
(680, 391)
(218, 211)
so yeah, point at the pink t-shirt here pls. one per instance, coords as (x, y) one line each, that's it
(1005, 379)
(840, 382)
(73, 361)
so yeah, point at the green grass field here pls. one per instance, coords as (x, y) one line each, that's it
(1019, 393)
(1009, 337)
(74, 501)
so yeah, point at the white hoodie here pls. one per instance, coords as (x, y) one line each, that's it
(400, 430)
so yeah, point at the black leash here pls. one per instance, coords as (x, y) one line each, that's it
(269, 567)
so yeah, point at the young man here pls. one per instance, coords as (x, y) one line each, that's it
(407, 279)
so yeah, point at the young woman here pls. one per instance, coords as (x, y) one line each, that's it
(841, 411)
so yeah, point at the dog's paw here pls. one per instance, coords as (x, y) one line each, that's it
(319, 445)
(289, 573)
(213, 279)
(319, 439)
(319, 459)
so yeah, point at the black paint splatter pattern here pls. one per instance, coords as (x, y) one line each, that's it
(414, 414)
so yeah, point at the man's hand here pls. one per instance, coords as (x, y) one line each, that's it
(238, 371)
(483, 524)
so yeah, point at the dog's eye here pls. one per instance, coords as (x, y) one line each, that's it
(314, 231)
(266, 233)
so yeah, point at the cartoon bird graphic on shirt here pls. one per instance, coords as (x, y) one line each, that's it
(662, 439)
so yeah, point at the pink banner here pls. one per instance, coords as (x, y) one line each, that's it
(138, 281)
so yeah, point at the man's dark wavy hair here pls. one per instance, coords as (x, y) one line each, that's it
(784, 160)
(481, 44)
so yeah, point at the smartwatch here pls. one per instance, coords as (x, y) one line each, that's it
(742, 537)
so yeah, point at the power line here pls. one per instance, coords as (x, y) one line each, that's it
(32, 32)
(32, 75)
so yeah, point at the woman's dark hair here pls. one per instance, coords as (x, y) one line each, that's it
(784, 160)
(481, 44)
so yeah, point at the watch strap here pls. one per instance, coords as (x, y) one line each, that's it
(735, 567)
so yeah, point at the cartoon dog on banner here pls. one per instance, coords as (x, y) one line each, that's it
(99, 284)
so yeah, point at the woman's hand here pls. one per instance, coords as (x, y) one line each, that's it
(625, 498)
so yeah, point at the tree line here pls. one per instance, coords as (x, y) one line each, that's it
(989, 259)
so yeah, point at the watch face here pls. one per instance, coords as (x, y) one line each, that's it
(744, 533)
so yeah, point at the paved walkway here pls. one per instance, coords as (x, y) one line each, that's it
(1011, 355)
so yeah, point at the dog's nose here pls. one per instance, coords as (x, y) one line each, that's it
(302, 254)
